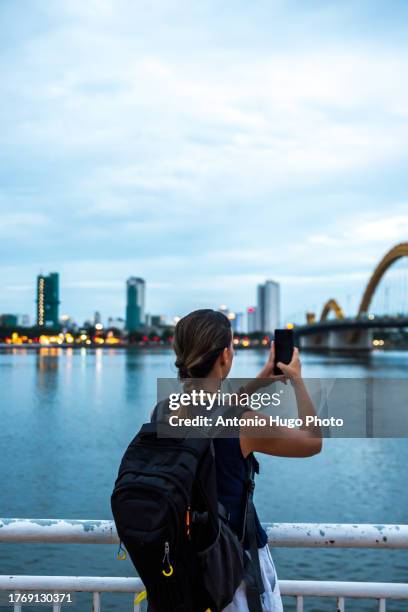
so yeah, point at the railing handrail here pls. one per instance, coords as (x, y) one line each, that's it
(279, 534)
(308, 588)
(306, 535)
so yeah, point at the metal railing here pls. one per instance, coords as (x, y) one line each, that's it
(304, 535)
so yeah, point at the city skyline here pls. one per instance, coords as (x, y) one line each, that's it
(122, 155)
(265, 315)
(264, 318)
(48, 302)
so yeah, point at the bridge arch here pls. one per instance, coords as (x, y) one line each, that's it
(400, 250)
(331, 306)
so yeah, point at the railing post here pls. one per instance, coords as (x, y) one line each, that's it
(96, 602)
(381, 605)
(17, 606)
(299, 603)
(340, 604)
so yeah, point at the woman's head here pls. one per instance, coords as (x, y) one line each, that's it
(203, 344)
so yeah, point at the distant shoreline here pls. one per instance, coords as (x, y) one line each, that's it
(35, 346)
(154, 347)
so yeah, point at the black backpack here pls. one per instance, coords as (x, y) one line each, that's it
(167, 515)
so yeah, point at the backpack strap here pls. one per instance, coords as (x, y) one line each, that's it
(253, 577)
(159, 412)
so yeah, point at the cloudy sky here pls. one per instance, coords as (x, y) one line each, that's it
(204, 146)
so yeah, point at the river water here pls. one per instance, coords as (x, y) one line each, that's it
(67, 416)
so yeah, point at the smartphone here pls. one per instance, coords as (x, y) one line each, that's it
(284, 345)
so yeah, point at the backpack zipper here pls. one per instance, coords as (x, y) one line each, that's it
(166, 559)
(154, 488)
(164, 475)
(192, 451)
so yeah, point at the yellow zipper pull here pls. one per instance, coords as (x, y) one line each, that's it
(121, 554)
(166, 559)
(140, 597)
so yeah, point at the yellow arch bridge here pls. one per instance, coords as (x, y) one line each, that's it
(360, 322)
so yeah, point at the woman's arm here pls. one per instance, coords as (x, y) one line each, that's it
(283, 441)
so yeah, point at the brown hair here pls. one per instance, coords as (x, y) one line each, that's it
(199, 339)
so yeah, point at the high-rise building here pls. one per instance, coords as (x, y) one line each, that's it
(97, 318)
(236, 319)
(251, 320)
(239, 322)
(157, 320)
(135, 303)
(48, 299)
(268, 306)
(24, 320)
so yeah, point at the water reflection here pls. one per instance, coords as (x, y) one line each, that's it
(46, 379)
(135, 373)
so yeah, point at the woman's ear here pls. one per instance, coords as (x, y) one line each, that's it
(226, 358)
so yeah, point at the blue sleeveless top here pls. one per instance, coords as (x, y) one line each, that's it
(232, 485)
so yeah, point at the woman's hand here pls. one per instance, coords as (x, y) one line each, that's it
(292, 370)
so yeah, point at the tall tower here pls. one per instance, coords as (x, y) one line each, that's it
(48, 300)
(135, 303)
(251, 320)
(268, 306)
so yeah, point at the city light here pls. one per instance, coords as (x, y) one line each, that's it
(140, 329)
(41, 301)
(113, 340)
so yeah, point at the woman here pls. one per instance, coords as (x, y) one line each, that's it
(203, 343)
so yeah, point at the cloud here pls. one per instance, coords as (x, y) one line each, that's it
(14, 223)
(370, 230)
(393, 228)
(195, 144)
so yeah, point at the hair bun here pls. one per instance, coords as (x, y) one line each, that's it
(183, 369)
